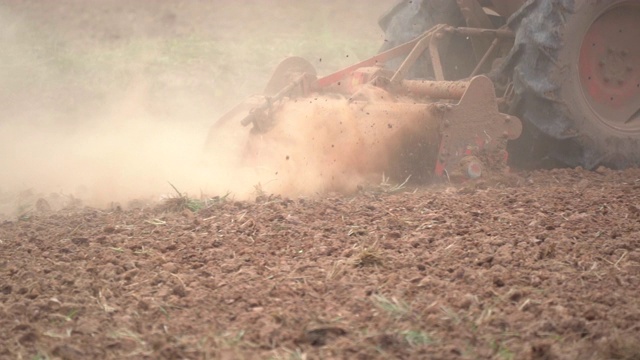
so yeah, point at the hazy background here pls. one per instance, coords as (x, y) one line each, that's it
(110, 100)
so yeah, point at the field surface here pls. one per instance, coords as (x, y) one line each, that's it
(542, 265)
(104, 104)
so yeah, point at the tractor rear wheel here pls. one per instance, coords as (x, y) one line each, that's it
(576, 73)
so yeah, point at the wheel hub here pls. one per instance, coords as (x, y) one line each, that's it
(609, 66)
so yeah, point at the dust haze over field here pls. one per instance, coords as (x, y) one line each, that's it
(110, 101)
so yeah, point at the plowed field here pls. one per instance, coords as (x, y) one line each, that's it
(104, 102)
(542, 265)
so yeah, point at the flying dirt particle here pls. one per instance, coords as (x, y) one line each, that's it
(390, 126)
(287, 157)
(320, 60)
(339, 83)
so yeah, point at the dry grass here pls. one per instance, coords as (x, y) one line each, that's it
(370, 256)
(182, 201)
(395, 308)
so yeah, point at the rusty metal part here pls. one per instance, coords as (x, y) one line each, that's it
(475, 17)
(421, 45)
(436, 89)
(377, 60)
(502, 33)
(294, 76)
(431, 40)
(609, 67)
(358, 78)
(460, 139)
(287, 71)
(260, 115)
(413, 49)
(441, 138)
(475, 127)
(434, 53)
(237, 113)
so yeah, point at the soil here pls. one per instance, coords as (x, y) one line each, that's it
(532, 265)
(536, 265)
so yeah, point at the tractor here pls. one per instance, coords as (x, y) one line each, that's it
(461, 88)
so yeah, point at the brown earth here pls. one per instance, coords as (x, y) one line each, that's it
(535, 265)
(540, 265)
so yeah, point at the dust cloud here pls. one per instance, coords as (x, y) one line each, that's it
(313, 147)
(120, 155)
(99, 108)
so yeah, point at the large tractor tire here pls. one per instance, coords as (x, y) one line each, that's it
(576, 73)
